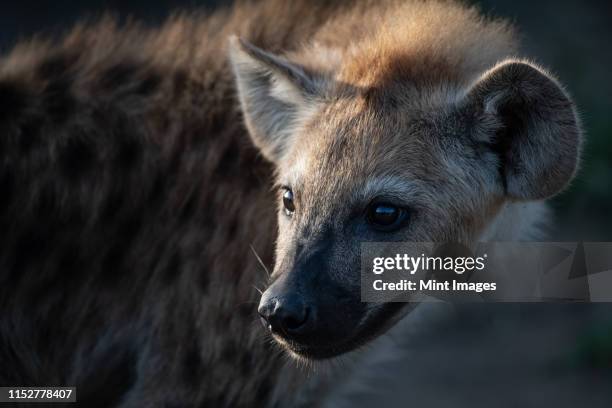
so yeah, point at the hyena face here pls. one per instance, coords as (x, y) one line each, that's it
(391, 162)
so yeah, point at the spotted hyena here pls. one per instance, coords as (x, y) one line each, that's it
(413, 121)
(132, 202)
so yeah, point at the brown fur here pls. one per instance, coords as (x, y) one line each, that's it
(130, 199)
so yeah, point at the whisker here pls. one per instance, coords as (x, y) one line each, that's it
(259, 260)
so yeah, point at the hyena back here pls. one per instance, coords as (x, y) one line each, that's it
(130, 197)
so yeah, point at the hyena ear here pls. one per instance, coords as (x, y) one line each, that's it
(526, 117)
(274, 94)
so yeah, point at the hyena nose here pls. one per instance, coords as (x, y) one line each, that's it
(285, 315)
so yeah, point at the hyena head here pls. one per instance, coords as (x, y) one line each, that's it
(390, 159)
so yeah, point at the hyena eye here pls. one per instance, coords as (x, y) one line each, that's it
(385, 217)
(288, 201)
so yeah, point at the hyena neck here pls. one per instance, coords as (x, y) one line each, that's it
(518, 222)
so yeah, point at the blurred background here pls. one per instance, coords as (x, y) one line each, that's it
(502, 355)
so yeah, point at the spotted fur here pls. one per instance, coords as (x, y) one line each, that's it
(131, 202)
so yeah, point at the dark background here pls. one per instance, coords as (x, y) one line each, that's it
(537, 354)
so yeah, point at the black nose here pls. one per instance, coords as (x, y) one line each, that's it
(284, 314)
